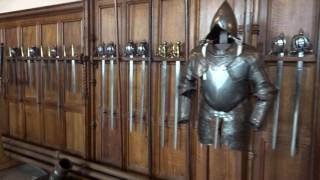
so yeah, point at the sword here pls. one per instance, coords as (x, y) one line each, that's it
(278, 47)
(73, 71)
(65, 68)
(101, 53)
(11, 78)
(142, 51)
(103, 88)
(176, 49)
(301, 45)
(25, 68)
(111, 53)
(163, 52)
(29, 70)
(276, 107)
(130, 52)
(299, 73)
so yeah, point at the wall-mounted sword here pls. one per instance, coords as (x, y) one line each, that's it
(300, 45)
(25, 72)
(142, 51)
(65, 69)
(73, 71)
(163, 52)
(278, 48)
(30, 72)
(176, 53)
(130, 51)
(111, 53)
(101, 53)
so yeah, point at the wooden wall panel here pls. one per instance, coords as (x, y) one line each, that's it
(53, 129)
(109, 146)
(72, 35)
(33, 124)
(280, 19)
(49, 39)
(11, 40)
(16, 124)
(137, 141)
(270, 159)
(75, 136)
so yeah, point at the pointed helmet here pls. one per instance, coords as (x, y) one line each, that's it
(223, 20)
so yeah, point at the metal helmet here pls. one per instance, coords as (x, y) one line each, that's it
(301, 43)
(279, 44)
(223, 21)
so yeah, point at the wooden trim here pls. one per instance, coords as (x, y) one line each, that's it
(46, 10)
(314, 155)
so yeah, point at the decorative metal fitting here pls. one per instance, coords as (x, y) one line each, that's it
(53, 52)
(100, 50)
(278, 45)
(301, 43)
(14, 52)
(130, 49)
(110, 49)
(163, 49)
(33, 51)
(142, 49)
(176, 49)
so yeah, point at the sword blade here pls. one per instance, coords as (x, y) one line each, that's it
(30, 73)
(276, 107)
(111, 93)
(130, 95)
(73, 76)
(299, 73)
(176, 105)
(103, 88)
(143, 67)
(163, 99)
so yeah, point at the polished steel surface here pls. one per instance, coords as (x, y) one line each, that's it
(278, 48)
(225, 20)
(130, 51)
(296, 108)
(276, 106)
(73, 72)
(226, 78)
(142, 51)
(176, 105)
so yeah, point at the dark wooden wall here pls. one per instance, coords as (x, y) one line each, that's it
(76, 126)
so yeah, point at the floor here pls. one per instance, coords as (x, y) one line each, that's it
(22, 172)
